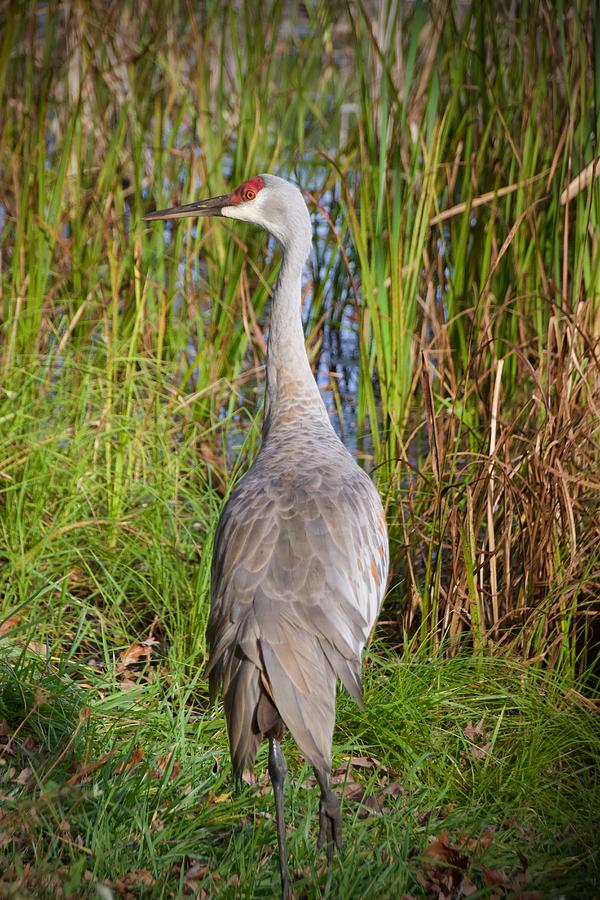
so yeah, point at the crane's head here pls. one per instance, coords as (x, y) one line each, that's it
(267, 200)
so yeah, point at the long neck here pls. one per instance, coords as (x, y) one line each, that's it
(292, 392)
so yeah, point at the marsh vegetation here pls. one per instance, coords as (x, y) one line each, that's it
(452, 312)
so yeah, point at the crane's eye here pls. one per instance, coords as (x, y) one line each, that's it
(249, 194)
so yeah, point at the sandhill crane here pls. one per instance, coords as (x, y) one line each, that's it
(301, 552)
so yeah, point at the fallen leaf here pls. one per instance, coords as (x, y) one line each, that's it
(207, 453)
(441, 850)
(366, 762)
(10, 623)
(375, 802)
(24, 776)
(478, 842)
(156, 823)
(480, 752)
(263, 783)
(196, 872)
(132, 655)
(476, 735)
(136, 758)
(444, 869)
(485, 839)
(473, 731)
(423, 817)
(78, 581)
(6, 838)
(351, 790)
(466, 887)
(363, 762)
(162, 766)
(311, 782)
(492, 877)
(134, 879)
(150, 642)
(393, 789)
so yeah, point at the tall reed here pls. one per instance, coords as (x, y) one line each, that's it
(455, 284)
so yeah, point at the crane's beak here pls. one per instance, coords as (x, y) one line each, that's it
(210, 207)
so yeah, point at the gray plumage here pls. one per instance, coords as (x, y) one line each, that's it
(301, 553)
(299, 567)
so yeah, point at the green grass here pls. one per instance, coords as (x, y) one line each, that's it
(455, 285)
(453, 313)
(531, 794)
(85, 581)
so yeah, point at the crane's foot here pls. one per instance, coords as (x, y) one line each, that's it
(330, 823)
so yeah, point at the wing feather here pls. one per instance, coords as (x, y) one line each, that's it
(299, 572)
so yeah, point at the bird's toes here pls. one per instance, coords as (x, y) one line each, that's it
(324, 829)
(330, 825)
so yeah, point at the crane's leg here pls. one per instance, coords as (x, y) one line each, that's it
(330, 819)
(278, 771)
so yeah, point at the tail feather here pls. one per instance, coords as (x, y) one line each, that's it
(310, 717)
(289, 682)
(240, 703)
